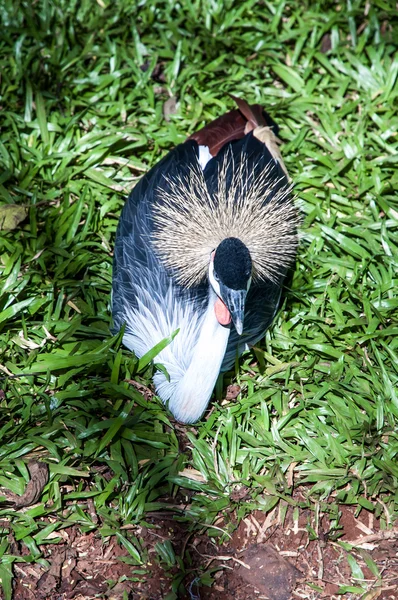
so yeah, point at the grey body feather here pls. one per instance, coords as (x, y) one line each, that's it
(151, 295)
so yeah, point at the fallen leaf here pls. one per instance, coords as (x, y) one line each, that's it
(11, 215)
(38, 480)
(49, 581)
(233, 392)
(170, 108)
(193, 474)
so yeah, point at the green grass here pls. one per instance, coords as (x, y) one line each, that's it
(82, 90)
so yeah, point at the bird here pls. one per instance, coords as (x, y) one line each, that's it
(202, 248)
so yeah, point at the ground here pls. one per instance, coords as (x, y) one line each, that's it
(271, 557)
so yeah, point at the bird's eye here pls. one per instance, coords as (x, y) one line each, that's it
(216, 277)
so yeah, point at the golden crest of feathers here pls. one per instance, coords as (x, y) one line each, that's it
(191, 223)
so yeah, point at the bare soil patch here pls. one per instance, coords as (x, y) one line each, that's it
(265, 558)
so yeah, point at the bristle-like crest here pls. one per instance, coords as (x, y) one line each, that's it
(191, 223)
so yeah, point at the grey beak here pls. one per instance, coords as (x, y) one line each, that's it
(235, 302)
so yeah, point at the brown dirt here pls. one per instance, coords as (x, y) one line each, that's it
(268, 556)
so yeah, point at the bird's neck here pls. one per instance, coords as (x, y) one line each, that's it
(194, 390)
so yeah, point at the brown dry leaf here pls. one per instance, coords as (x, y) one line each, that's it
(326, 43)
(143, 389)
(120, 591)
(38, 480)
(373, 594)
(170, 108)
(233, 392)
(193, 474)
(239, 493)
(49, 581)
(69, 563)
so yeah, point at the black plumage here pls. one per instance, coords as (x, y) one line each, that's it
(149, 293)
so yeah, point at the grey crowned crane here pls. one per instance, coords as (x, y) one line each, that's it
(203, 245)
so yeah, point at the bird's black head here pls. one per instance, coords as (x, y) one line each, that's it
(233, 264)
(231, 277)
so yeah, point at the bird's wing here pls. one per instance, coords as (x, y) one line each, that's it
(233, 125)
(136, 264)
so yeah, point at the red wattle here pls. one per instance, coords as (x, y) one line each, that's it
(222, 313)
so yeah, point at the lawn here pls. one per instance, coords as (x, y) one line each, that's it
(92, 94)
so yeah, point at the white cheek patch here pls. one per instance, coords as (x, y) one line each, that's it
(204, 156)
(213, 281)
